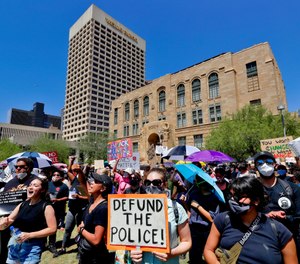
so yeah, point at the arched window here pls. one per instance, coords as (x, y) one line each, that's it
(127, 111)
(162, 101)
(196, 90)
(136, 108)
(213, 83)
(146, 106)
(180, 95)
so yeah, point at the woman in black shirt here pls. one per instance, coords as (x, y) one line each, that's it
(35, 219)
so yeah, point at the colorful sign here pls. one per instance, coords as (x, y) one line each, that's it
(138, 220)
(278, 147)
(119, 149)
(52, 155)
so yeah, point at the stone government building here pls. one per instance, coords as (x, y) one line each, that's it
(183, 107)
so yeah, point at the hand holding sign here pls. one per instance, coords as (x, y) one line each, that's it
(138, 220)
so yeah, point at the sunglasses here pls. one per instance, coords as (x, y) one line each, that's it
(56, 174)
(267, 161)
(156, 182)
(21, 166)
(92, 181)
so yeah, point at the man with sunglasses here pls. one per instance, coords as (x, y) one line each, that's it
(284, 197)
(23, 178)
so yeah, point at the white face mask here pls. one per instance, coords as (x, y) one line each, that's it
(21, 175)
(266, 170)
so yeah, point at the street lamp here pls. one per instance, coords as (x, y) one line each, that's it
(281, 108)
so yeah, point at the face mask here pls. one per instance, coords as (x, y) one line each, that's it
(266, 170)
(21, 175)
(236, 208)
(281, 172)
(153, 190)
(134, 182)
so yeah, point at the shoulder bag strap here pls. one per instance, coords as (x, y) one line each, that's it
(250, 230)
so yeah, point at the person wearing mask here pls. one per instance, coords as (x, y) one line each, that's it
(245, 235)
(35, 219)
(284, 196)
(135, 184)
(94, 224)
(23, 177)
(59, 193)
(203, 204)
(180, 237)
(282, 173)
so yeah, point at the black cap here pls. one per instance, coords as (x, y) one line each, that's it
(104, 179)
(263, 154)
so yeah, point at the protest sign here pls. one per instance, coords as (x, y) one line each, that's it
(119, 149)
(9, 200)
(98, 164)
(132, 162)
(52, 155)
(278, 147)
(138, 220)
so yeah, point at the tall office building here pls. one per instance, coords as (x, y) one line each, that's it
(105, 60)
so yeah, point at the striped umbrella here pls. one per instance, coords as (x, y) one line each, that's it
(39, 160)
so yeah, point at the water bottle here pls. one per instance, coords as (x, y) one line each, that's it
(15, 232)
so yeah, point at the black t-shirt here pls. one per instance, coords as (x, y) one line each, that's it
(58, 190)
(76, 205)
(98, 217)
(17, 185)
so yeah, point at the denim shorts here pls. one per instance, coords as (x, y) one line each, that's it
(28, 252)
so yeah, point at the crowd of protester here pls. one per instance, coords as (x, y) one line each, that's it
(262, 200)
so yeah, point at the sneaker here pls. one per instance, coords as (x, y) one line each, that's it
(59, 252)
(52, 248)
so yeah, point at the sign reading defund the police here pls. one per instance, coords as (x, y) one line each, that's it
(138, 220)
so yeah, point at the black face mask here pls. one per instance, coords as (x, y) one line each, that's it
(237, 208)
(134, 182)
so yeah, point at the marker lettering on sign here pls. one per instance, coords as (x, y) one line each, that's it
(143, 205)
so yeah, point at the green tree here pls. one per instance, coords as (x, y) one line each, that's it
(45, 144)
(94, 146)
(8, 149)
(239, 135)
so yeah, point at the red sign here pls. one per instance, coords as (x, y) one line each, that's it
(52, 155)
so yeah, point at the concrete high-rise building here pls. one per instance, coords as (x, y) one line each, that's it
(105, 60)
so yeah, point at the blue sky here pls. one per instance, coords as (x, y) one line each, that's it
(178, 34)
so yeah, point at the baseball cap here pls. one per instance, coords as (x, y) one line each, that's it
(104, 179)
(263, 155)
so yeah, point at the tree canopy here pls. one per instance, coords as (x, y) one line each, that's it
(239, 135)
(8, 149)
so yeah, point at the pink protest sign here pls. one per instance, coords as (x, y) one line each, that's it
(119, 149)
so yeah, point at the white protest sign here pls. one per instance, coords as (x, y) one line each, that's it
(138, 220)
(131, 162)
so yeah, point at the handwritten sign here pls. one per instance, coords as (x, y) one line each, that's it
(119, 149)
(278, 147)
(132, 162)
(52, 155)
(138, 220)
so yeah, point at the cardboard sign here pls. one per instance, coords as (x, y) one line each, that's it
(132, 162)
(138, 220)
(52, 155)
(278, 147)
(98, 164)
(119, 149)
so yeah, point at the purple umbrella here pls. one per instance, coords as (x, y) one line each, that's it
(209, 156)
